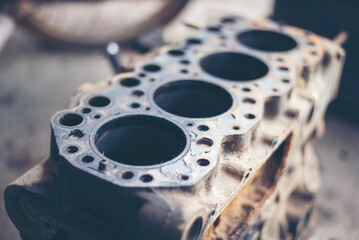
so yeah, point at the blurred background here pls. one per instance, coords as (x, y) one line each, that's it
(55, 47)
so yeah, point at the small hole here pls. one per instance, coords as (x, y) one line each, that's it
(87, 159)
(228, 20)
(184, 71)
(194, 41)
(137, 93)
(142, 75)
(71, 119)
(76, 134)
(274, 89)
(130, 82)
(189, 124)
(152, 68)
(203, 162)
(147, 108)
(280, 59)
(249, 101)
(86, 110)
(135, 105)
(176, 52)
(185, 62)
(152, 80)
(236, 128)
(205, 143)
(250, 116)
(285, 81)
(72, 149)
(97, 116)
(284, 69)
(313, 53)
(246, 89)
(223, 37)
(184, 177)
(127, 175)
(146, 178)
(203, 128)
(213, 29)
(99, 101)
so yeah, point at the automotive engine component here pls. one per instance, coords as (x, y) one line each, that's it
(210, 138)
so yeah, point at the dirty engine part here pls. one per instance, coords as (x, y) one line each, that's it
(211, 138)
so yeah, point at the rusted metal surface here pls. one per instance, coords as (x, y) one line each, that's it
(209, 138)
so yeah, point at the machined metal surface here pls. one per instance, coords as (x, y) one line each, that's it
(202, 140)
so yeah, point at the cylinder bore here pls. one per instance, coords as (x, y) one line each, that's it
(193, 99)
(140, 140)
(234, 66)
(268, 41)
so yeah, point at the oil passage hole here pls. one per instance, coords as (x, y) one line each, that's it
(71, 119)
(140, 140)
(234, 66)
(193, 99)
(99, 101)
(268, 41)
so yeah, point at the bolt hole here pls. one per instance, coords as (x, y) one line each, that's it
(185, 62)
(146, 178)
(246, 89)
(184, 71)
(99, 101)
(284, 69)
(76, 134)
(137, 93)
(194, 41)
(127, 175)
(236, 128)
(213, 29)
(86, 110)
(152, 68)
(129, 82)
(184, 177)
(71, 119)
(249, 101)
(204, 143)
(87, 159)
(203, 128)
(97, 116)
(285, 81)
(250, 116)
(72, 149)
(176, 52)
(135, 105)
(228, 20)
(203, 162)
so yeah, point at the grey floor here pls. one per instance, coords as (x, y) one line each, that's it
(35, 83)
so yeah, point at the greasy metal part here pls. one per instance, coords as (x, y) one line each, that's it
(210, 138)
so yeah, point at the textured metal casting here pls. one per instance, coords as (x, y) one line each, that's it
(210, 138)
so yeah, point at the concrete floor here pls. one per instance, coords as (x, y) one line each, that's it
(35, 83)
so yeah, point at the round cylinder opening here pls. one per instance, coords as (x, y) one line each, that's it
(140, 140)
(234, 66)
(268, 41)
(193, 99)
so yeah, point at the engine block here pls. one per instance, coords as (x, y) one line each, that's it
(210, 138)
